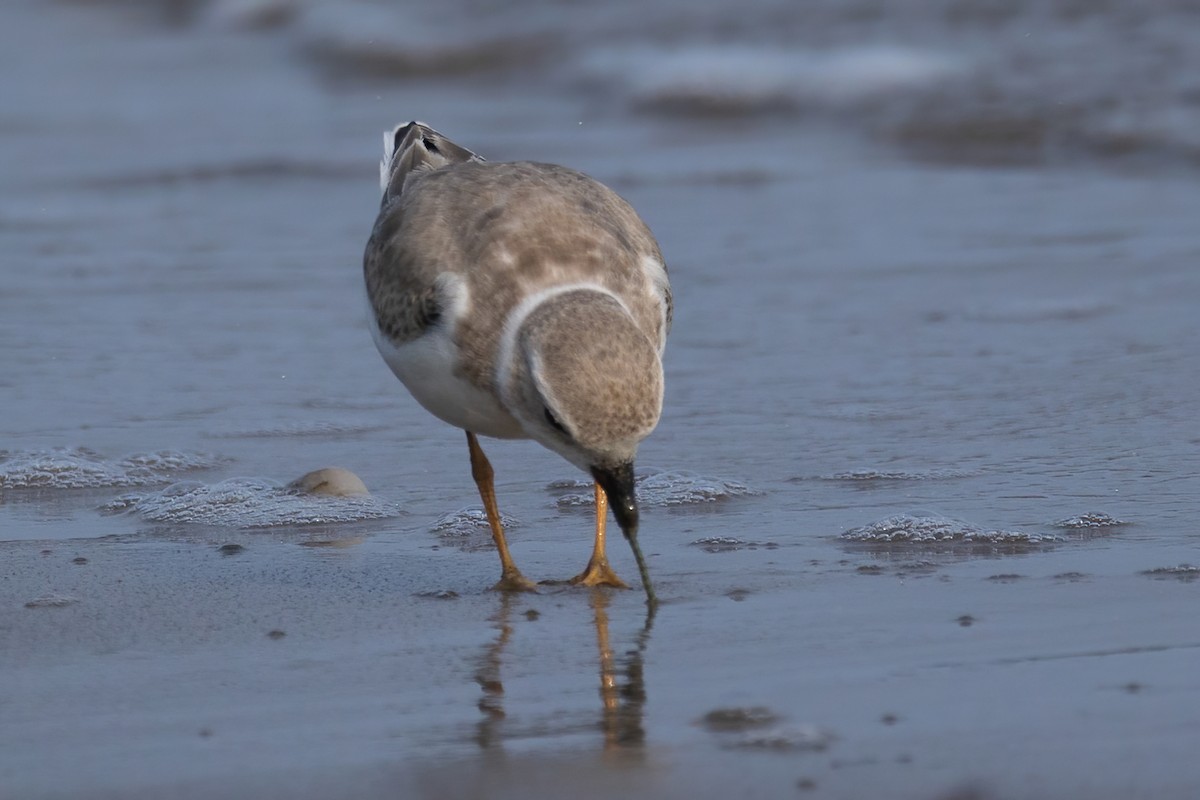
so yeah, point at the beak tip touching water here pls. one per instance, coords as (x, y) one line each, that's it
(617, 483)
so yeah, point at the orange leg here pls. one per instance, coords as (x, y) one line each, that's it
(511, 579)
(598, 572)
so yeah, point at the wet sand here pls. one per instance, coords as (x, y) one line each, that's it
(906, 394)
(291, 671)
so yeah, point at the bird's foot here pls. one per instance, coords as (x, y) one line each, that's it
(598, 573)
(514, 581)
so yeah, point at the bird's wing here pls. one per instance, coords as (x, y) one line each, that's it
(402, 288)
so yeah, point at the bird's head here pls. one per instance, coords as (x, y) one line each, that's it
(585, 382)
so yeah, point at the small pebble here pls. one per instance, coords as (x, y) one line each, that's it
(442, 594)
(276, 634)
(52, 601)
(737, 719)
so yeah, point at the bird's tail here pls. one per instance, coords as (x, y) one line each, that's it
(411, 147)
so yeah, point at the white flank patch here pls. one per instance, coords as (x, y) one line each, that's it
(427, 366)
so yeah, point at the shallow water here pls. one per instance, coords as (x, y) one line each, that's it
(936, 326)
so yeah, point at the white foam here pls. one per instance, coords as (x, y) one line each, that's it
(661, 488)
(81, 468)
(247, 503)
(925, 528)
(469, 522)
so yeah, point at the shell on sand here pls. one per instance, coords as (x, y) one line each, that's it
(330, 481)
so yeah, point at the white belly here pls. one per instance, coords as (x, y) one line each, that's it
(426, 367)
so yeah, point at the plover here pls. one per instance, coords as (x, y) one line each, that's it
(522, 300)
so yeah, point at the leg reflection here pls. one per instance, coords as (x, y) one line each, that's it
(491, 704)
(622, 705)
(622, 682)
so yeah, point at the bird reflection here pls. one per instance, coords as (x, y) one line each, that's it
(622, 680)
(622, 704)
(491, 703)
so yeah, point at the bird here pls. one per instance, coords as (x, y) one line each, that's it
(522, 300)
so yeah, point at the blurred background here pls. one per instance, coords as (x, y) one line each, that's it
(935, 270)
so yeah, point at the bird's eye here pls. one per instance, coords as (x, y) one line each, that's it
(554, 423)
(429, 145)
